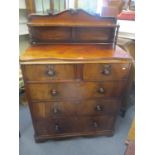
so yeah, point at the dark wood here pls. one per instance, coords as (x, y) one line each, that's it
(68, 125)
(71, 26)
(114, 71)
(78, 90)
(66, 53)
(49, 72)
(71, 18)
(43, 138)
(79, 72)
(42, 35)
(68, 108)
(75, 84)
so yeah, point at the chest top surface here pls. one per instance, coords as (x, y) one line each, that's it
(74, 52)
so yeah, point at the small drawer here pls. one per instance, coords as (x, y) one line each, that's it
(77, 90)
(75, 108)
(49, 72)
(106, 71)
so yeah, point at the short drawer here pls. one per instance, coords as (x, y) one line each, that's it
(75, 108)
(100, 72)
(49, 72)
(77, 90)
(75, 125)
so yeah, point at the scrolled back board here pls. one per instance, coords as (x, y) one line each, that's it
(71, 26)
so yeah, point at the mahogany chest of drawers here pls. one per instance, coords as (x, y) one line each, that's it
(73, 89)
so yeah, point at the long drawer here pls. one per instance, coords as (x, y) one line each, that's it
(75, 108)
(78, 90)
(74, 125)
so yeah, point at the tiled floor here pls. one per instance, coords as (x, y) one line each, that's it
(76, 146)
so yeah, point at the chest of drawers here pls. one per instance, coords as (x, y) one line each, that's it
(74, 89)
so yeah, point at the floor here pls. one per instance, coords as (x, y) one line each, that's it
(76, 146)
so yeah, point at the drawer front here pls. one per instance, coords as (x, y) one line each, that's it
(74, 125)
(106, 71)
(49, 72)
(75, 108)
(79, 90)
(57, 126)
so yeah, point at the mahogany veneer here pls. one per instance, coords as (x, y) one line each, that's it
(74, 88)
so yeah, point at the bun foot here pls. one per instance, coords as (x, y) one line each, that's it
(39, 140)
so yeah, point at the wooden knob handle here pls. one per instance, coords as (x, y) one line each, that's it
(54, 92)
(101, 90)
(57, 128)
(99, 108)
(51, 73)
(55, 110)
(50, 70)
(95, 125)
(106, 71)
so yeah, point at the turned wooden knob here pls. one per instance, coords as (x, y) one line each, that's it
(55, 110)
(99, 108)
(101, 90)
(57, 128)
(106, 71)
(51, 73)
(54, 92)
(95, 125)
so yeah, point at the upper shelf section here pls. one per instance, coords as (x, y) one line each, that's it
(72, 26)
(74, 18)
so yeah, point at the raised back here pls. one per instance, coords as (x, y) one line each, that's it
(72, 26)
